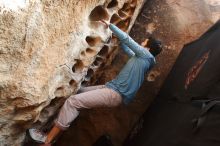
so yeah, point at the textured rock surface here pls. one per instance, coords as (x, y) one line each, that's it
(48, 49)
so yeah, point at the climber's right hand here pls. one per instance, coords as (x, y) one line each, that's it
(106, 23)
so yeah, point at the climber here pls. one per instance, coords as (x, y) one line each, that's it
(122, 89)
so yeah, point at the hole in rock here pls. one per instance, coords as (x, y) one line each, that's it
(89, 74)
(112, 4)
(59, 92)
(130, 12)
(60, 88)
(83, 54)
(56, 102)
(103, 51)
(93, 41)
(62, 91)
(72, 83)
(123, 25)
(133, 3)
(44, 115)
(126, 7)
(22, 108)
(47, 115)
(90, 52)
(98, 61)
(108, 40)
(84, 83)
(123, 14)
(114, 39)
(99, 13)
(115, 19)
(78, 66)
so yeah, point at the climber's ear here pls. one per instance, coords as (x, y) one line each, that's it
(144, 43)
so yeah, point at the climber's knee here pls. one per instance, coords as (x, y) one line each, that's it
(73, 102)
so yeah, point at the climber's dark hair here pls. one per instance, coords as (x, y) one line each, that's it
(154, 45)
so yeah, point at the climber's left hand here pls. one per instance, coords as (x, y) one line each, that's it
(105, 22)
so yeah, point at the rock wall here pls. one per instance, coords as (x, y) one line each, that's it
(48, 50)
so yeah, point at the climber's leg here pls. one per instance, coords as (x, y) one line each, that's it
(104, 97)
(90, 88)
(39, 136)
(54, 132)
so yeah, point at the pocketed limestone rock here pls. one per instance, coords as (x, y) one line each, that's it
(47, 50)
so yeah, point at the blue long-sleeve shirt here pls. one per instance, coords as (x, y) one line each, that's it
(132, 74)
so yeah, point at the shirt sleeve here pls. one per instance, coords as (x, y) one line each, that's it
(127, 40)
(127, 50)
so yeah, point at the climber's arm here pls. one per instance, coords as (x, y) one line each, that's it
(127, 40)
(127, 50)
(138, 50)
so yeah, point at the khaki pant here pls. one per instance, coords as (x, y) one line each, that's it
(88, 97)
